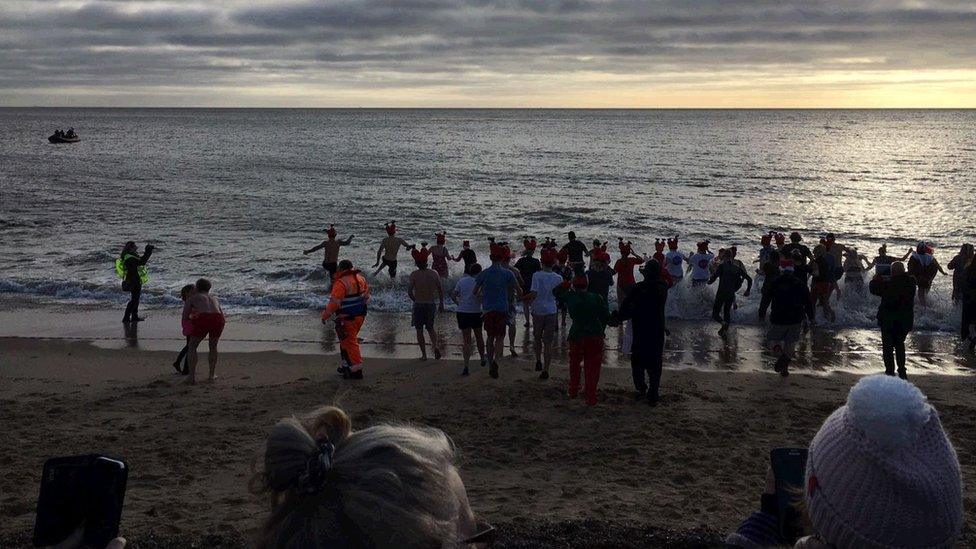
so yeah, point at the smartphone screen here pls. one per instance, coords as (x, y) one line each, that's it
(80, 490)
(789, 467)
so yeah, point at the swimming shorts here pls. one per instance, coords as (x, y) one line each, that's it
(469, 321)
(208, 324)
(423, 315)
(495, 323)
(392, 264)
(330, 268)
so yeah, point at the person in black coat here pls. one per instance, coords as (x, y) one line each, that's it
(644, 307)
(896, 315)
(132, 282)
(790, 302)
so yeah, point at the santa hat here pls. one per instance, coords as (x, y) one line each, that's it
(625, 247)
(659, 244)
(421, 255)
(495, 250)
(331, 232)
(600, 255)
(391, 228)
(673, 243)
(441, 238)
(548, 256)
(766, 239)
(780, 239)
(703, 246)
(529, 243)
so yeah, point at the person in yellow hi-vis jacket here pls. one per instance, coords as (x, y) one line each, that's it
(347, 306)
(131, 268)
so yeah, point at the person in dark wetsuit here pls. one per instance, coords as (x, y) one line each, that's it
(132, 282)
(467, 255)
(730, 276)
(795, 245)
(576, 250)
(644, 307)
(896, 315)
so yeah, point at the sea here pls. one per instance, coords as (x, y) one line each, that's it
(237, 195)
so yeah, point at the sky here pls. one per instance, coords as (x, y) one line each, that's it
(489, 53)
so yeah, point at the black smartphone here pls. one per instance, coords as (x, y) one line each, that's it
(789, 468)
(80, 490)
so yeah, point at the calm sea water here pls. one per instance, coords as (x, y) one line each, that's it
(236, 195)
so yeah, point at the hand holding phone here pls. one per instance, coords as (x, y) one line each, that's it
(789, 468)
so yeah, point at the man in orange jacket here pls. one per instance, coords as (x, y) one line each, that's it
(350, 294)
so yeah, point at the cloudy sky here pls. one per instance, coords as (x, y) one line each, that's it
(492, 53)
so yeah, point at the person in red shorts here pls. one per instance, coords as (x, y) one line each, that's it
(206, 322)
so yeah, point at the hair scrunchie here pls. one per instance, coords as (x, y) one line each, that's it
(313, 479)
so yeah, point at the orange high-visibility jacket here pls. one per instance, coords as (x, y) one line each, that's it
(350, 294)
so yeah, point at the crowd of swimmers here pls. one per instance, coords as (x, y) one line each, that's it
(794, 280)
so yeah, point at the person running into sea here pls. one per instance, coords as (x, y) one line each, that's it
(896, 315)
(770, 269)
(835, 252)
(512, 318)
(675, 261)
(698, 264)
(527, 266)
(348, 305)
(599, 277)
(924, 266)
(659, 251)
(854, 267)
(968, 328)
(644, 308)
(469, 319)
(624, 268)
(427, 294)
(575, 251)
(795, 246)
(131, 268)
(822, 282)
(958, 267)
(598, 246)
(187, 328)
(207, 320)
(330, 263)
(497, 287)
(790, 301)
(545, 313)
(467, 255)
(590, 316)
(388, 251)
(730, 276)
(440, 254)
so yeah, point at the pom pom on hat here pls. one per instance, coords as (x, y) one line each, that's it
(331, 232)
(890, 411)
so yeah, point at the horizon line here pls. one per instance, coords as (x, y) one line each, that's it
(496, 108)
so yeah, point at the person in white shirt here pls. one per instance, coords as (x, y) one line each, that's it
(545, 314)
(469, 317)
(675, 260)
(698, 265)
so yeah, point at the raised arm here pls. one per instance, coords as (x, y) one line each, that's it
(315, 249)
(346, 242)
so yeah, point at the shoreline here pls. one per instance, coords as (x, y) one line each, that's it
(533, 460)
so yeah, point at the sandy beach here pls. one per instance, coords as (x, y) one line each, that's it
(549, 471)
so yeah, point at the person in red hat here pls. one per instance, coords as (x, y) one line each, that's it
(659, 250)
(699, 263)
(624, 268)
(427, 294)
(674, 261)
(766, 248)
(498, 288)
(467, 255)
(590, 316)
(389, 249)
(545, 311)
(440, 254)
(331, 246)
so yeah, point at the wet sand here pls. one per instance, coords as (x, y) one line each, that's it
(550, 471)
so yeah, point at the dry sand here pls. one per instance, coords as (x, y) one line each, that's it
(551, 471)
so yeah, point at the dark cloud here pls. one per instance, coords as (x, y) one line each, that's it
(465, 44)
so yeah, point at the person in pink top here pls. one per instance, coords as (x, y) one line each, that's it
(181, 364)
(440, 254)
